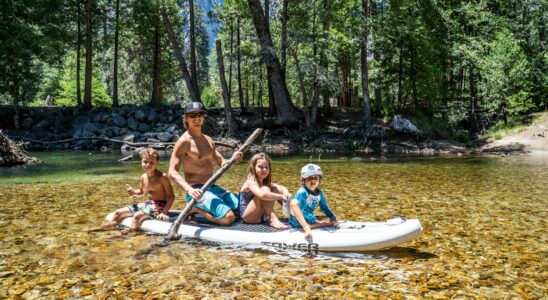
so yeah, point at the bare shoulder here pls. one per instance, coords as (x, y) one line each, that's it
(183, 142)
(209, 139)
(245, 185)
(184, 138)
(165, 178)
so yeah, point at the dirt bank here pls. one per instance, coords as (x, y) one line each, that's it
(531, 139)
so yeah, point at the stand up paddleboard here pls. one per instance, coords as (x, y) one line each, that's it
(347, 237)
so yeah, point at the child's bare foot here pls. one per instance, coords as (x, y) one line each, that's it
(109, 224)
(277, 224)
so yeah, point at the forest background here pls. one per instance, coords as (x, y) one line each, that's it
(454, 67)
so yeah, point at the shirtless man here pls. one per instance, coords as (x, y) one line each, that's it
(196, 153)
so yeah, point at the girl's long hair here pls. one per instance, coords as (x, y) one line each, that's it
(251, 169)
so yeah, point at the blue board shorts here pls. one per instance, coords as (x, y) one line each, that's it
(216, 201)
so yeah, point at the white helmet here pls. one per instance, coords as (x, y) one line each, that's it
(311, 170)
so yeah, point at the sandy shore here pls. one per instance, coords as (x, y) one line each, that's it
(531, 140)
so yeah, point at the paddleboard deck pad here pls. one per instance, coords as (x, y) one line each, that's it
(349, 236)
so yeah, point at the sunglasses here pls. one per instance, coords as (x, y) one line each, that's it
(195, 115)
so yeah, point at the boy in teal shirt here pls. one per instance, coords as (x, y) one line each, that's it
(304, 203)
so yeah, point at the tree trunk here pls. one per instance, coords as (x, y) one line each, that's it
(193, 46)
(286, 113)
(157, 93)
(115, 73)
(239, 70)
(260, 96)
(89, 74)
(232, 124)
(231, 59)
(378, 91)
(253, 92)
(315, 85)
(376, 54)
(302, 85)
(247, 78)
(284, 35)
(246, 91)
(346, 87)
(193, 92)
(271, 102)
(323, 60)
(78, 45)
(366, 117)
(400, 72)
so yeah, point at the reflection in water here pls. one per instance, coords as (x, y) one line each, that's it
(484, 220)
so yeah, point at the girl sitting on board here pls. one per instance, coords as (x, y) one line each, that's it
(259, 194)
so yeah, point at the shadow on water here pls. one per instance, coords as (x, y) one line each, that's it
(407, 253)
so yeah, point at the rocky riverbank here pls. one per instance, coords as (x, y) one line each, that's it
(57, 128)
(128, 126)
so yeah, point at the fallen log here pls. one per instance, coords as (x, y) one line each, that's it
(129, 157)
(12, 153)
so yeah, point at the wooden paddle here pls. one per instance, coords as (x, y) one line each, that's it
(172, 233)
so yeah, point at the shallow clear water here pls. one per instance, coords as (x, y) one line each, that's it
(484, 222)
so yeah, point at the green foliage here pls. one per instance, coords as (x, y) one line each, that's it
(211, 96)
(61, 84)
(33, 34)
(352, 143)
(464, 137)
(426, 58)
(506, 77)
(50, 85)
(431, 127)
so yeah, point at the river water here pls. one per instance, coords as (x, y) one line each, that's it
(484, 222)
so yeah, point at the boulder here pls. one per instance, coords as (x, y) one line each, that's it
(101, 117)
(41, 126)
(132, 123)
(143, 127)
(141, 115)
(153, 117)
(403, 125)
(118, 120)
(149, 135)
(79, 120)
(171, 128)
(88, 130)
(27, 123)
(128, 138)
(164, 136)
(125, 110)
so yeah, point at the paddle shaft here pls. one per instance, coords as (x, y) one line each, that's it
(172, 233)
